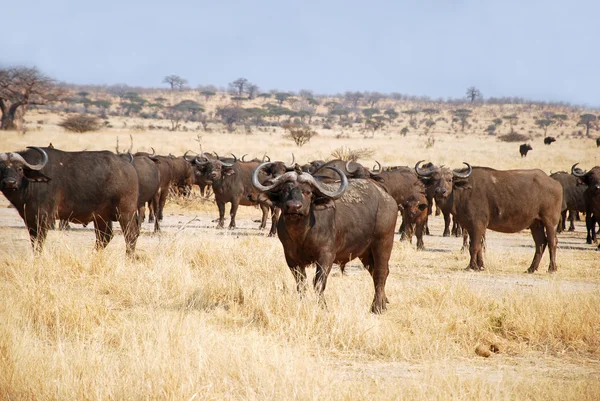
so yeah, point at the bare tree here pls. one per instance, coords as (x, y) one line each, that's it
(21, 87)
(587, 120)
(353, 98)
(473, 94)
(373, 98)
(239, 85)
(175, 81)
(252, 90)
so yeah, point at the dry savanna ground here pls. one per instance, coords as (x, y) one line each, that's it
(213, 314)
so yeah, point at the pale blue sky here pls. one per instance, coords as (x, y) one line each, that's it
(544, 50)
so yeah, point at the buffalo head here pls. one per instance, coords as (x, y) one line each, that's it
(441, 179)
(295, 193)
(213, 169)
(590, 178)
(14, 169)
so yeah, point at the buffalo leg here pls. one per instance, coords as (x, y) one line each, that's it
(590, 225)
(419, 229)
(221, 220)
(265, 215)
(552, 240)
(131, 231)
(232, 213)
(299, 273)
(571, 220)
(476, 235)
(446, 224)
(456, 228)
(38, 230)
(381, 251)
(275, 213)
(153, 205)
(161, 205)
(465, 245)
(104, 233)
(320, 281)
(539, 236)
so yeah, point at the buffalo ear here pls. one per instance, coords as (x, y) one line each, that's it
(323, 203)
(461, 183)
(35, 176)
(228, 171)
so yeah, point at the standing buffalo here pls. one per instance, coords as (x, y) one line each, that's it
(505, 201)
(148, 185)
(549, 139)
(598, 142)
(592, 198)
(523, 149)
(323, 226)
(232, 183)
(44, 184)
(573, 198)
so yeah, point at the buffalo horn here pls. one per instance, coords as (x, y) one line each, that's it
(420, 172)
(577, 171)
(130, 157)
(378, 171)
(153, 152)
(348, 168)
(463, 175)
(20, 158)
(291, 176)
(245, 154)
(185, 157)
(322, 189)
(201, 157)
(292, 164)
(229, 164)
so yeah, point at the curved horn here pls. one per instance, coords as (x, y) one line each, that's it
(378, 171)
(185, 157)
(245, 154)
(38, 166)
(292, 164)
(348, 167)
(290, 176)
(200, 157)
(153, 152)
(216, 154)
(420, 172)
(322, 189)
(3, 157)
(130, 157)
(265, 157)
(576, 171)
(463, 175)
(230, 164)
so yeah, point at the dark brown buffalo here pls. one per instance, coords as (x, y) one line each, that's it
(573, 198)
(165, 172)
(524, 148)
(598, 142)
(548, 140)
(312, 166)
(148, 185)
(45, 184)
(349, 168)
(592, 198)
(505, 201)
(232, 183)
(409, 193)
(322, 226)
(182, 175)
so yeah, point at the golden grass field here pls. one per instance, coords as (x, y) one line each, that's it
(213, 314)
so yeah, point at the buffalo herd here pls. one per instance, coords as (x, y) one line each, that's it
(322, 212)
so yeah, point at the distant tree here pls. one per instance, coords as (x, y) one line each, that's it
(497, 121)
(512, 120)
(207, 94)
(239, 85)
(374, 97)
(20, 88)
(298, 133)
(411, 113)
(376, 123)
(391, 114)
(175, 81)
(175, 116)
(80, 123)
(544, 124)
(312, 101)
(189, 106)
(404, 131)
(353, 98)
(340, 112)
(83, 94)
(332, 106)
(559, 119)
(370, 112)
(587, 120)
(264, 96)
(256, 115)
(306, 94)
(462, 115)
(473, 94)
(281, 97)
(231, 115)
(252, 90)
(430, 111)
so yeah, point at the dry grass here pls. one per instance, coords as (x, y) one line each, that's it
(206, 314)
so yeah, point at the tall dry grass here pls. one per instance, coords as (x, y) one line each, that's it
(205, 316)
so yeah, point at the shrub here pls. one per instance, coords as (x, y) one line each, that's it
(80, 123)
(353, 155)
(298, 133)
(513, 137)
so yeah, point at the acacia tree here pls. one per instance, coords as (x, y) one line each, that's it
(512, 120)
(462, 115)
(175, 81)
(239, 85)
(21, 87)
(353, 97)
(473, 94)
(586, 120)
(544, 124)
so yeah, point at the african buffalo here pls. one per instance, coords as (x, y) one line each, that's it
(592, 198)
(573, 198)
(148, 185)
(232, 183)
(597, 142)
(409, 193)
(505, 201)
(45, 184)
(165, 172)
(524, 148)
(549, 139)
(323, 226)
(312, 166)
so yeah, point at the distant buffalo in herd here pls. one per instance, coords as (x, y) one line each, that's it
(523, 149)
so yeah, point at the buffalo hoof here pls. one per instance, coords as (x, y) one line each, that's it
(530, 271)
(588, 241)
(379, 307)
(427, 232)
(150, 219)
(446, 234)
(219, 227)
(571, 228)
